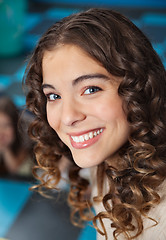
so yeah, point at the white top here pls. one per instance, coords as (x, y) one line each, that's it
(149, 233)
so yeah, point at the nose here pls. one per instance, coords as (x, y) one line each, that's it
(72, 113)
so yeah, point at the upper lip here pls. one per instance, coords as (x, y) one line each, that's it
(83, 132)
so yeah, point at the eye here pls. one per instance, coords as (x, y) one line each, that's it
(52, 97)
(92, 89)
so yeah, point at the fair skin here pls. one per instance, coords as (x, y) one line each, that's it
(83, 105)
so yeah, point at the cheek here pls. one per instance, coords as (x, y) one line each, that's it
(110, 111)
(52, 118)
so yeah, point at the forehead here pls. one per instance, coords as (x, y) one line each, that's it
(67, 51)
(67, 63)
(69, 60)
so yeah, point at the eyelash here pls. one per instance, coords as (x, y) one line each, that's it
(97, 89)
(48, 96)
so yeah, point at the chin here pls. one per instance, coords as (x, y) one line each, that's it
(86, 162)
(80, 164)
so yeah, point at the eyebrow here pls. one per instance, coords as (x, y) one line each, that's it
(80, 79)
(47, 86)
(89, 76)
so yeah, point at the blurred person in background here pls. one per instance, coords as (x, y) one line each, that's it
(15, 147)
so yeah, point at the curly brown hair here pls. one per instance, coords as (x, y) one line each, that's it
(124, 51)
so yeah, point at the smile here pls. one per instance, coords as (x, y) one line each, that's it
(86, 137)
(86, 140)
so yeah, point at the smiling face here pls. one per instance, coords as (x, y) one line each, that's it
(83, 105)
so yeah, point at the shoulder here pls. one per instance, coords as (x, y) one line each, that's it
(152, 231)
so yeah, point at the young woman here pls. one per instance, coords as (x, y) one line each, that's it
(98, 90)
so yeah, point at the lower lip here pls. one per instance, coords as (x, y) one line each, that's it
(87, 143)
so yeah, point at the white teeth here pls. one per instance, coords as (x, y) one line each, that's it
(81, 138)
(91, 135)
(76, 139)
(95, 134)
(86, 137)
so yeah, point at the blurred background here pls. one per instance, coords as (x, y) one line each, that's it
(25, 215)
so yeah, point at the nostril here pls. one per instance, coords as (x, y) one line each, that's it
(72, 113)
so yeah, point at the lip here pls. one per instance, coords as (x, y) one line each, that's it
(87, 143)
(84, 132)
